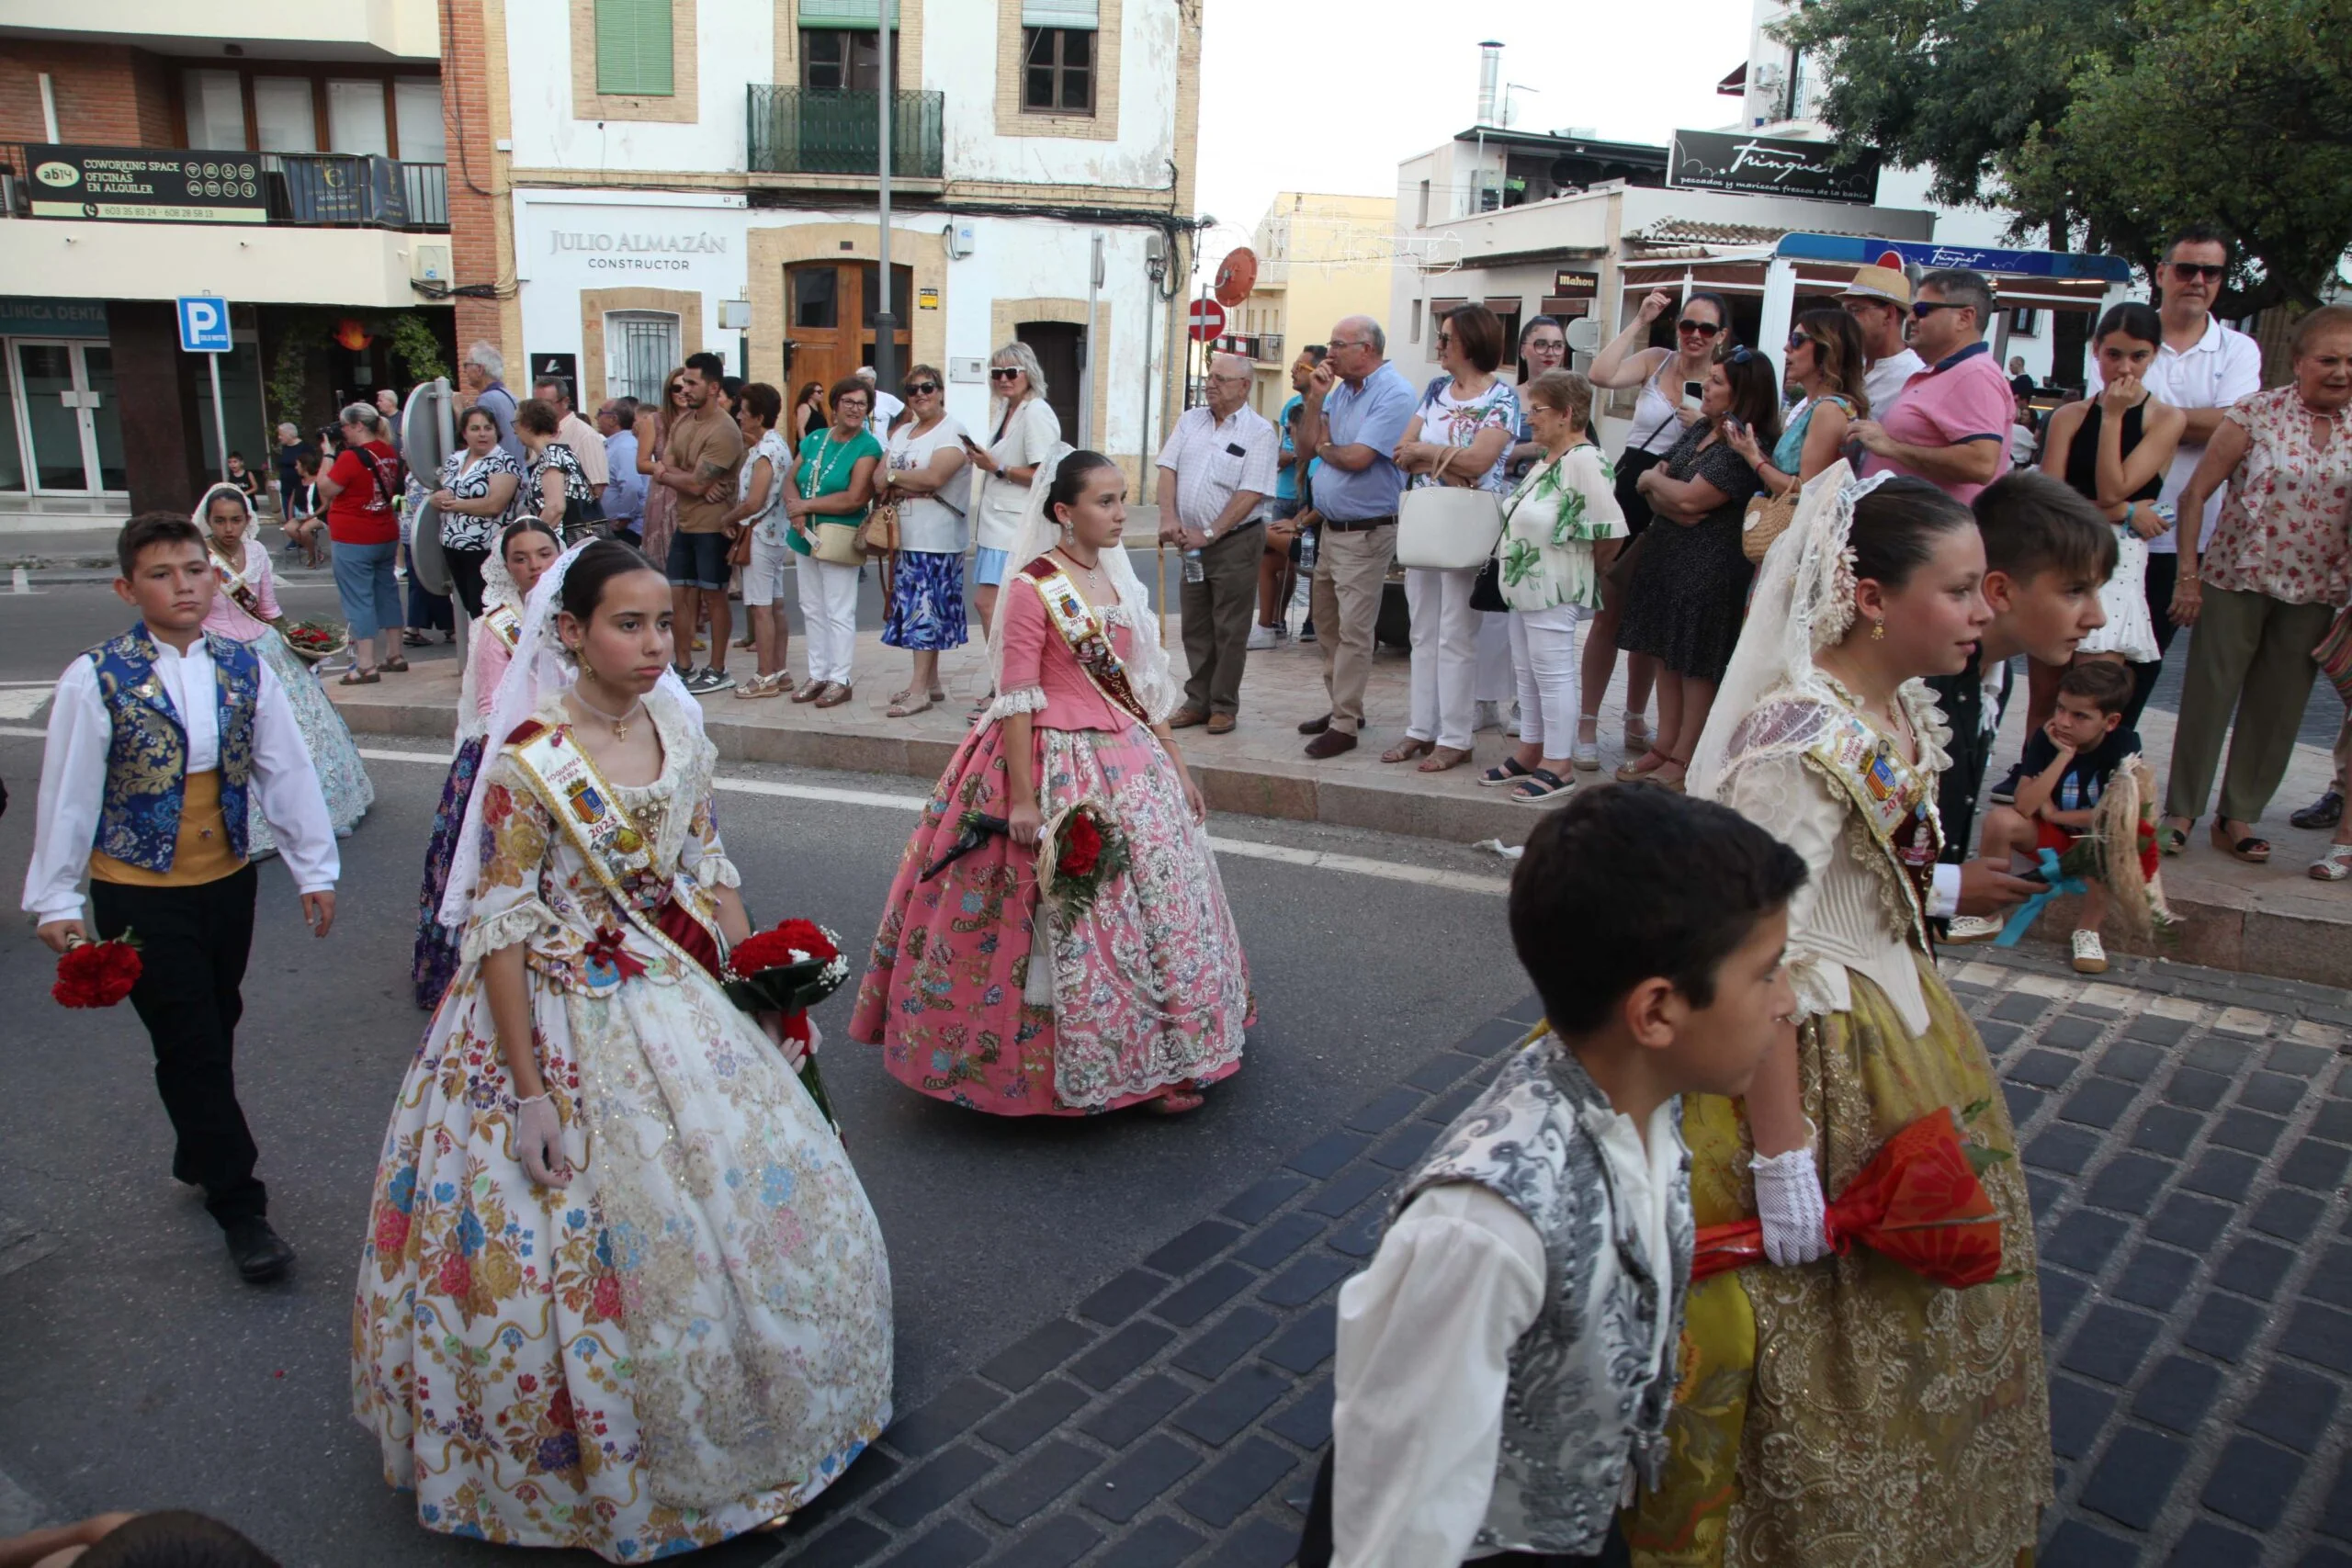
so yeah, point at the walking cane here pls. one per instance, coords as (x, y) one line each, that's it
(1161, 551)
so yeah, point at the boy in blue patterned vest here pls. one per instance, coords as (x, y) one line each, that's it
(1505, 1365)
(154, 741)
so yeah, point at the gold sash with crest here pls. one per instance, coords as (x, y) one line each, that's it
(247, 600)
(1085, 634)
(503, 620)
(1895, 800)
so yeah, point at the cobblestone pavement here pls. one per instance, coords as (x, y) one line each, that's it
(2187, 1135)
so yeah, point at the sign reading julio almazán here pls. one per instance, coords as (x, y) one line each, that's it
(1770, 165)
(148, 185)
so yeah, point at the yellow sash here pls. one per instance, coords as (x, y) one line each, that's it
(1086, 636)
(247, 600)
(503, 620)
(1895, 800)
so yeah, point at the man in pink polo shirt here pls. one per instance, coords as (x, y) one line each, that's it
(1949, 425)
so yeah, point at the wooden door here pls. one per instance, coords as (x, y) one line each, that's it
(830, 309)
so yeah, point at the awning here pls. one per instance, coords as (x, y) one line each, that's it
(1734, 85)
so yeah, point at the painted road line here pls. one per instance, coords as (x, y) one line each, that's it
(1245, 849)
(23, 701)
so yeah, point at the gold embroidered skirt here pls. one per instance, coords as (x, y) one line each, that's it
(1847, 1412)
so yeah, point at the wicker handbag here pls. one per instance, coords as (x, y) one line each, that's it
(879, 536)
(1766, 519)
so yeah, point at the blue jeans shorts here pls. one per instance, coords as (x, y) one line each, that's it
(698, 560)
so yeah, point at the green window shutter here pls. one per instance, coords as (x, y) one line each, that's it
(1084, 15)
(633, 52)
(850, 15)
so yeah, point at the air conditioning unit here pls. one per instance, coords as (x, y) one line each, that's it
(428, 261)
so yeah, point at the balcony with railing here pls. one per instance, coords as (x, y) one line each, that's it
(310, 190)
(837, 130)
(1261, 348)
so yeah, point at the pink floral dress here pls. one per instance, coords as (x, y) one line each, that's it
(2285, 529)
(1149, 990)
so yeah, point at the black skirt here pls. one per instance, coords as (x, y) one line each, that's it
(1688, 590)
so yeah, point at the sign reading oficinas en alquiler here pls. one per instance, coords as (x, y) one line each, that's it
(1770, 165)
(147, 185)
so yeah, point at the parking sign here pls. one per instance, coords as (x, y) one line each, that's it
(204, 324)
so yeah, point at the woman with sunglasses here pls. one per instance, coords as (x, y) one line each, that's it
(1822, 364)
(924, 470)
(652, 436)
(1661, 414)
(1687, 595)
(1026, 430)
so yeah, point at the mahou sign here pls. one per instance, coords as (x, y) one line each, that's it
(1770, 165)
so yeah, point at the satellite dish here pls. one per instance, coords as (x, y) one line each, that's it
(426, 438)
(1584, 335)
(1235, 276)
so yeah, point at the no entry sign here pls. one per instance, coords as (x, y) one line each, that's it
(1208, 320)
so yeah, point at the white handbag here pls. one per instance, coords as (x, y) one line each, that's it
(1443, 527)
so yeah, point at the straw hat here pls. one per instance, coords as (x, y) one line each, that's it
(1879, 283)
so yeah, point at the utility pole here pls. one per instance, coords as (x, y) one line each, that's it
(886, 325)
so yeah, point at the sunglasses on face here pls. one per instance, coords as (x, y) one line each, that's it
(922, 389)
(2189, 272)
(1702, 329)
(1445, 340)
(1004, 372)
(1922, 309)
(1741, 355)
(1797, 341)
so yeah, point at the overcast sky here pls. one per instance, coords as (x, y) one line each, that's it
(1330, 95)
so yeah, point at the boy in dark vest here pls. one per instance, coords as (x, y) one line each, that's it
(155, 740)
(1506, 1364)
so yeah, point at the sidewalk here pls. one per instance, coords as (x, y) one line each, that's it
(2271, 920)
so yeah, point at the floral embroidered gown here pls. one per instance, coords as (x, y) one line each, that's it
(1847, 1411)
(692, 1338)
(1149, 988)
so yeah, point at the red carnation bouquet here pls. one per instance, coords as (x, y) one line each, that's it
(1079, 851)
(315, 640)
(789, 970)
(1917, 1201)
(97, 974)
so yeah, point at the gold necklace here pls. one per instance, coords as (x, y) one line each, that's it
(620, 722)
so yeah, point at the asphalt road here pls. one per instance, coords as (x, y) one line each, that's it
(135, 1371)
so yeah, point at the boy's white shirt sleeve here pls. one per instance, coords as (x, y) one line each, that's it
(72, 790)
(293, 801)
(1421, 1372)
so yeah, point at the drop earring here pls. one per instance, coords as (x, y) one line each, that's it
(1878, 630)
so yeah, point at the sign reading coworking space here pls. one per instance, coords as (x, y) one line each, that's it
(148, 185)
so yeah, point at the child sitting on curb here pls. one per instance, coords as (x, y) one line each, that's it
(2067, 765)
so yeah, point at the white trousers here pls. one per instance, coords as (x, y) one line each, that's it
(1543, 644)
(1445, 655)
(1495, 658)
(828, 617)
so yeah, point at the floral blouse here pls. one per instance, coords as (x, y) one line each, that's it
(538, 889)
(1450, 422)
(1550, 524)
(562, 459)
(468, 478)
(2285, 529)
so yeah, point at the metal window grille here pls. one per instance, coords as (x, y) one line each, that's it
(641, 350)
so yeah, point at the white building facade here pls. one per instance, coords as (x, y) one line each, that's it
(678, 167)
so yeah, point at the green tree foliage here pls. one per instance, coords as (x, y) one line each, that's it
(2117, 121)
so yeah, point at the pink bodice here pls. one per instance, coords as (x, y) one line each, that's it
(1035, 655)
(230, 618)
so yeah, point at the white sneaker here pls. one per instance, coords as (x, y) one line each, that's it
(1263, 637)
(2090, 958)
(1971, 928)
(1490, 718)
(1510, 725)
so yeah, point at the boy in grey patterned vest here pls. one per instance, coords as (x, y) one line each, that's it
(1506, 1363)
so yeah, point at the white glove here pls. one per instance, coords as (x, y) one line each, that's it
(539, 1142)
(1789, 1202)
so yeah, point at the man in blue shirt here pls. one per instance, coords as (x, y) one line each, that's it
(483, 375)
(1355, 409)
(624, 485)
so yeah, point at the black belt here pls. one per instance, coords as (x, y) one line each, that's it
(1358, 526)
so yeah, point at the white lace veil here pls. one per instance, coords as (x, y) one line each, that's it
(1147, 660)
(1804, 603)
(538, 671)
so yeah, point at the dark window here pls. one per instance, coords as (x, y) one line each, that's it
(1058, 74)
(815, 299)
(844, 57)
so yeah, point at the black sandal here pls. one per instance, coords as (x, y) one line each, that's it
(1511, 772)
(1541, 787)
(2252, 850)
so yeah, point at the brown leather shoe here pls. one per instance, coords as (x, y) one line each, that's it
(1220, 724)
(1315, 726)
(1331, 743)
(1185, 719)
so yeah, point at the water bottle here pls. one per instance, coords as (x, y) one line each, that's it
(1194, 570)
(1306, 552)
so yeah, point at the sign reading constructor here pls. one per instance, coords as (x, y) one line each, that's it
(148, 185)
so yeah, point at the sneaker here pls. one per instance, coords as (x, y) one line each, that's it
(1510, 725)
(716, 680)
(1307, 632)
(2006, 791)
(2090, 958)
(1489, 717)
(1264, 637)
(2324, 812)
(1965, 929)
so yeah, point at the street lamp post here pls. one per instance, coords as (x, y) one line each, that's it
(886, 325)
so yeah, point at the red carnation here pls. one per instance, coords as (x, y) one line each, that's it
(1081, 847)
(810, 937)
(96, 974)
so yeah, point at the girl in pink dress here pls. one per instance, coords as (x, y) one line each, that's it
(975, 994)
